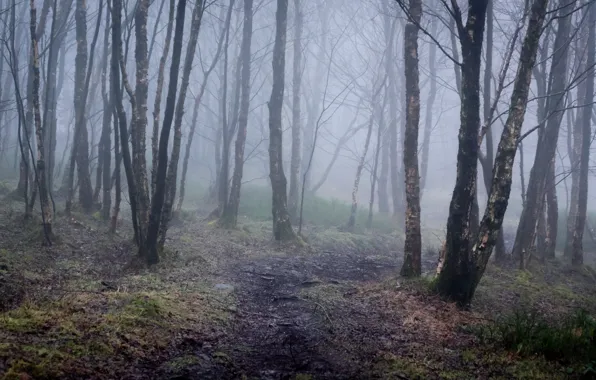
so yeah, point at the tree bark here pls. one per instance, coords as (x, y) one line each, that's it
(139, 126)
(412, 265)
(282, 227)
(44, 199)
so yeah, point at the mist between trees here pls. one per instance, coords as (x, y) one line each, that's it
(473, 120)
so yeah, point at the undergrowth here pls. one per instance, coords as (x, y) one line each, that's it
(570, 340)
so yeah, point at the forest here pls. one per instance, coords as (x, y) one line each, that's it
(292, 189)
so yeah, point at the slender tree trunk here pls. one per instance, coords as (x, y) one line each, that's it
(226, 131)
(81, 147)
(139, 126)
(412, 265)
(121, 128)
(158, 94)
(428, 120)
(282, 227)
(117, 165)
(44, 199)
(577, 257)
(463, 267)
(106, 131)
(158, 198)
(230, 214)
(547, 141)
(296, 121)
(172, 176)
(198, 99)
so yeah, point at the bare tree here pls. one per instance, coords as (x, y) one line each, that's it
(157, 201)
(294, 193)
(547, 140)
(40, 176)
(464, 263)
(412, 265)
(230, 213)
(577, 256)
(282, 227)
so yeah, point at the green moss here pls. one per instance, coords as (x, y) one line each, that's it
(405, 367)
(303, 376)
(181, 363)
(25, 319)
(455, 375)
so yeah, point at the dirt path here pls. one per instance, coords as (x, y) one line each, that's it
(296, 315)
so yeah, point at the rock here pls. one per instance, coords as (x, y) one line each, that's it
(224, 287)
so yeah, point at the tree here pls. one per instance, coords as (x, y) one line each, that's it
(296, 122)
(577, 254)
(464, 263)
(547, 140)
(172, 177)
(157, 201)
(40, 176)
(412, 265)
(282, 227)
(230, 213)
(81, 146)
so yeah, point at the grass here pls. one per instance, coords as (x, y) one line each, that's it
(570, 340)
(255, 203)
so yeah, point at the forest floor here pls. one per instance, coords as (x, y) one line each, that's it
(236, 305)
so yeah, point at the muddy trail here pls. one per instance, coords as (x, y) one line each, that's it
(301, 316)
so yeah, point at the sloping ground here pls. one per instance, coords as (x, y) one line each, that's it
(233, 304)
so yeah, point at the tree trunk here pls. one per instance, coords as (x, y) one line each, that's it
(172, 176)
(198, 99)
(389, 30)
(105, 140)
(412, 265)
(139, 126)
(296, 122)
(455, 275)
(428, 121)
(81, 147)
(120, 127)
(353, 212)
(577, 256)
(282, 227)
(157, 201)
(230, 214)
(158, 94)
(463, 267)
(44, 200)
(547, 141)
